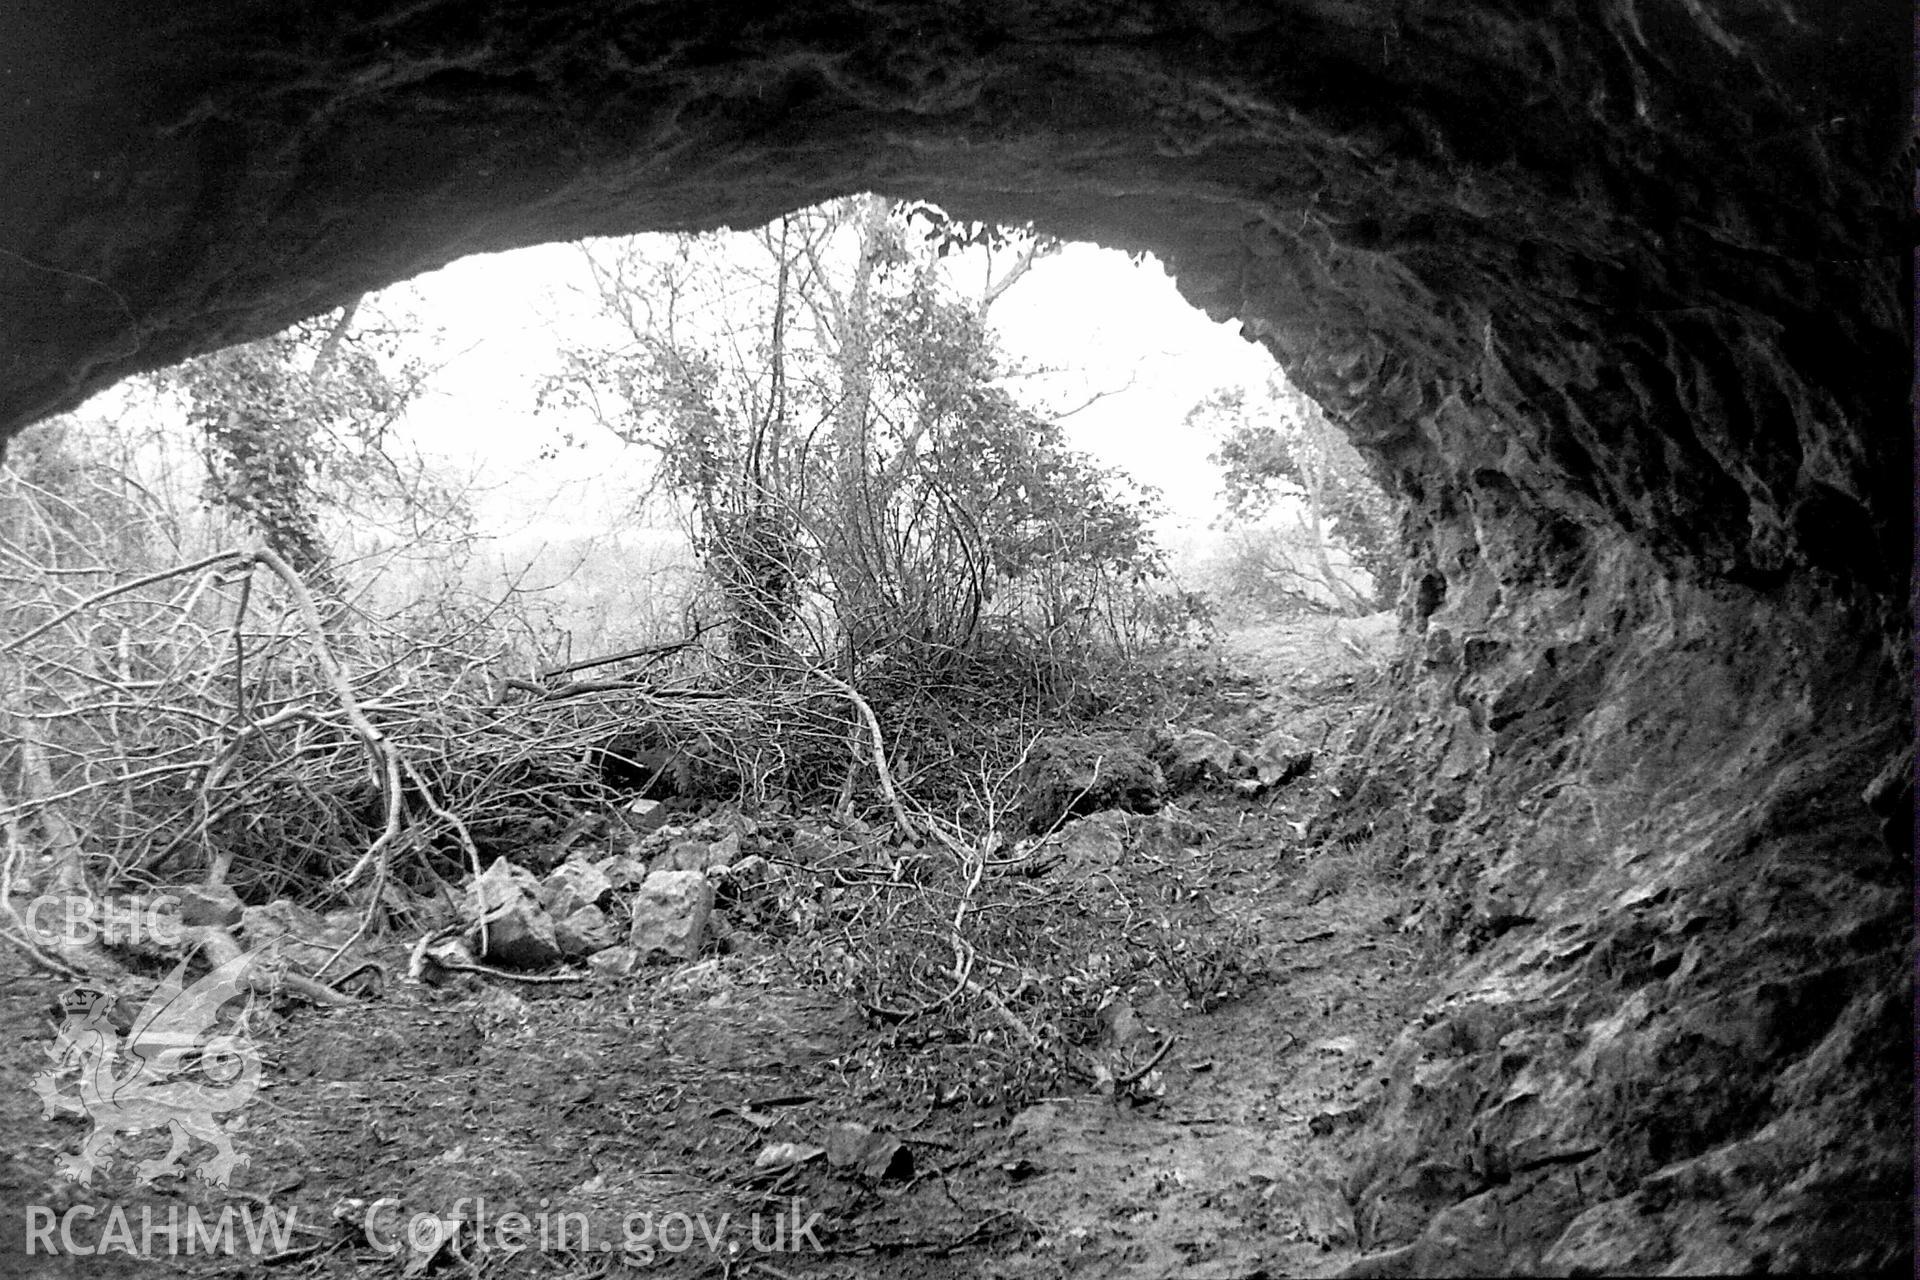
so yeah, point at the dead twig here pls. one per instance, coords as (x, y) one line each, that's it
(1140, 1073)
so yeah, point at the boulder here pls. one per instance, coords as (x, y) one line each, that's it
(1173, 827)
(687, 853)
(583, 932)
(746, 878)
(647, 816)
(573, 885)
(1280, 758)
(446, 958)
(510, 927)
(876, 1156)
(670, 914)
(1197, 758)
(622, 870)
(1070, 776)
(724, 852)
(813, 842)
(1087, 845)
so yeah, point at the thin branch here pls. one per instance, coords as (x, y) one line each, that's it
(124, 588)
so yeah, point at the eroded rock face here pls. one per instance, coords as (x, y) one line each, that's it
(1678, 1032)
(1612, 294)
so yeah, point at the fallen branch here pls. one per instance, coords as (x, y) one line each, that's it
(221, 949)
(885, 774)
(644, 651)
(1139, 1074)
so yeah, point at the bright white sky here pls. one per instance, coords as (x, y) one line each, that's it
(1108, 324)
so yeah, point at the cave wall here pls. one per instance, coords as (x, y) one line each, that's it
(1614, 294)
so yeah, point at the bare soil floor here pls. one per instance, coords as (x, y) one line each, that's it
(1202, 1130)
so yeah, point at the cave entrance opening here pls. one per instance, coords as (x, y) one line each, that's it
(568, 415)
(867, 432)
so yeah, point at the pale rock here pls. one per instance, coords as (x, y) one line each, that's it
(573, 885)
(670, 914)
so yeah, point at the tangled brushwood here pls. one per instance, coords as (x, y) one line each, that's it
(214, 720)
(218, 722)
(908, 583)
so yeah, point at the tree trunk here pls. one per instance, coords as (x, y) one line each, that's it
(1346, 599)
(859, 563)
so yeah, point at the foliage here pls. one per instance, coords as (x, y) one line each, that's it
(1282, 448)
(79, 509)
(290, 418)
(1263, 571)
(827, 404)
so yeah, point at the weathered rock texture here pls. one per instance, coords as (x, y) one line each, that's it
(1612, 292)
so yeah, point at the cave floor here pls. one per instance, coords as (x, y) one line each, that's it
(631, 1113)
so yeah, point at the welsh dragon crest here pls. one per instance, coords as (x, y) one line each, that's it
(170, 1073)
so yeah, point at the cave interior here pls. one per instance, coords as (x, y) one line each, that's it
(1614, 297)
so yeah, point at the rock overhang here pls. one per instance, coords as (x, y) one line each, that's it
(1619, 255)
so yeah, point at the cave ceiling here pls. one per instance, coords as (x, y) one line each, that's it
(1643, 262)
